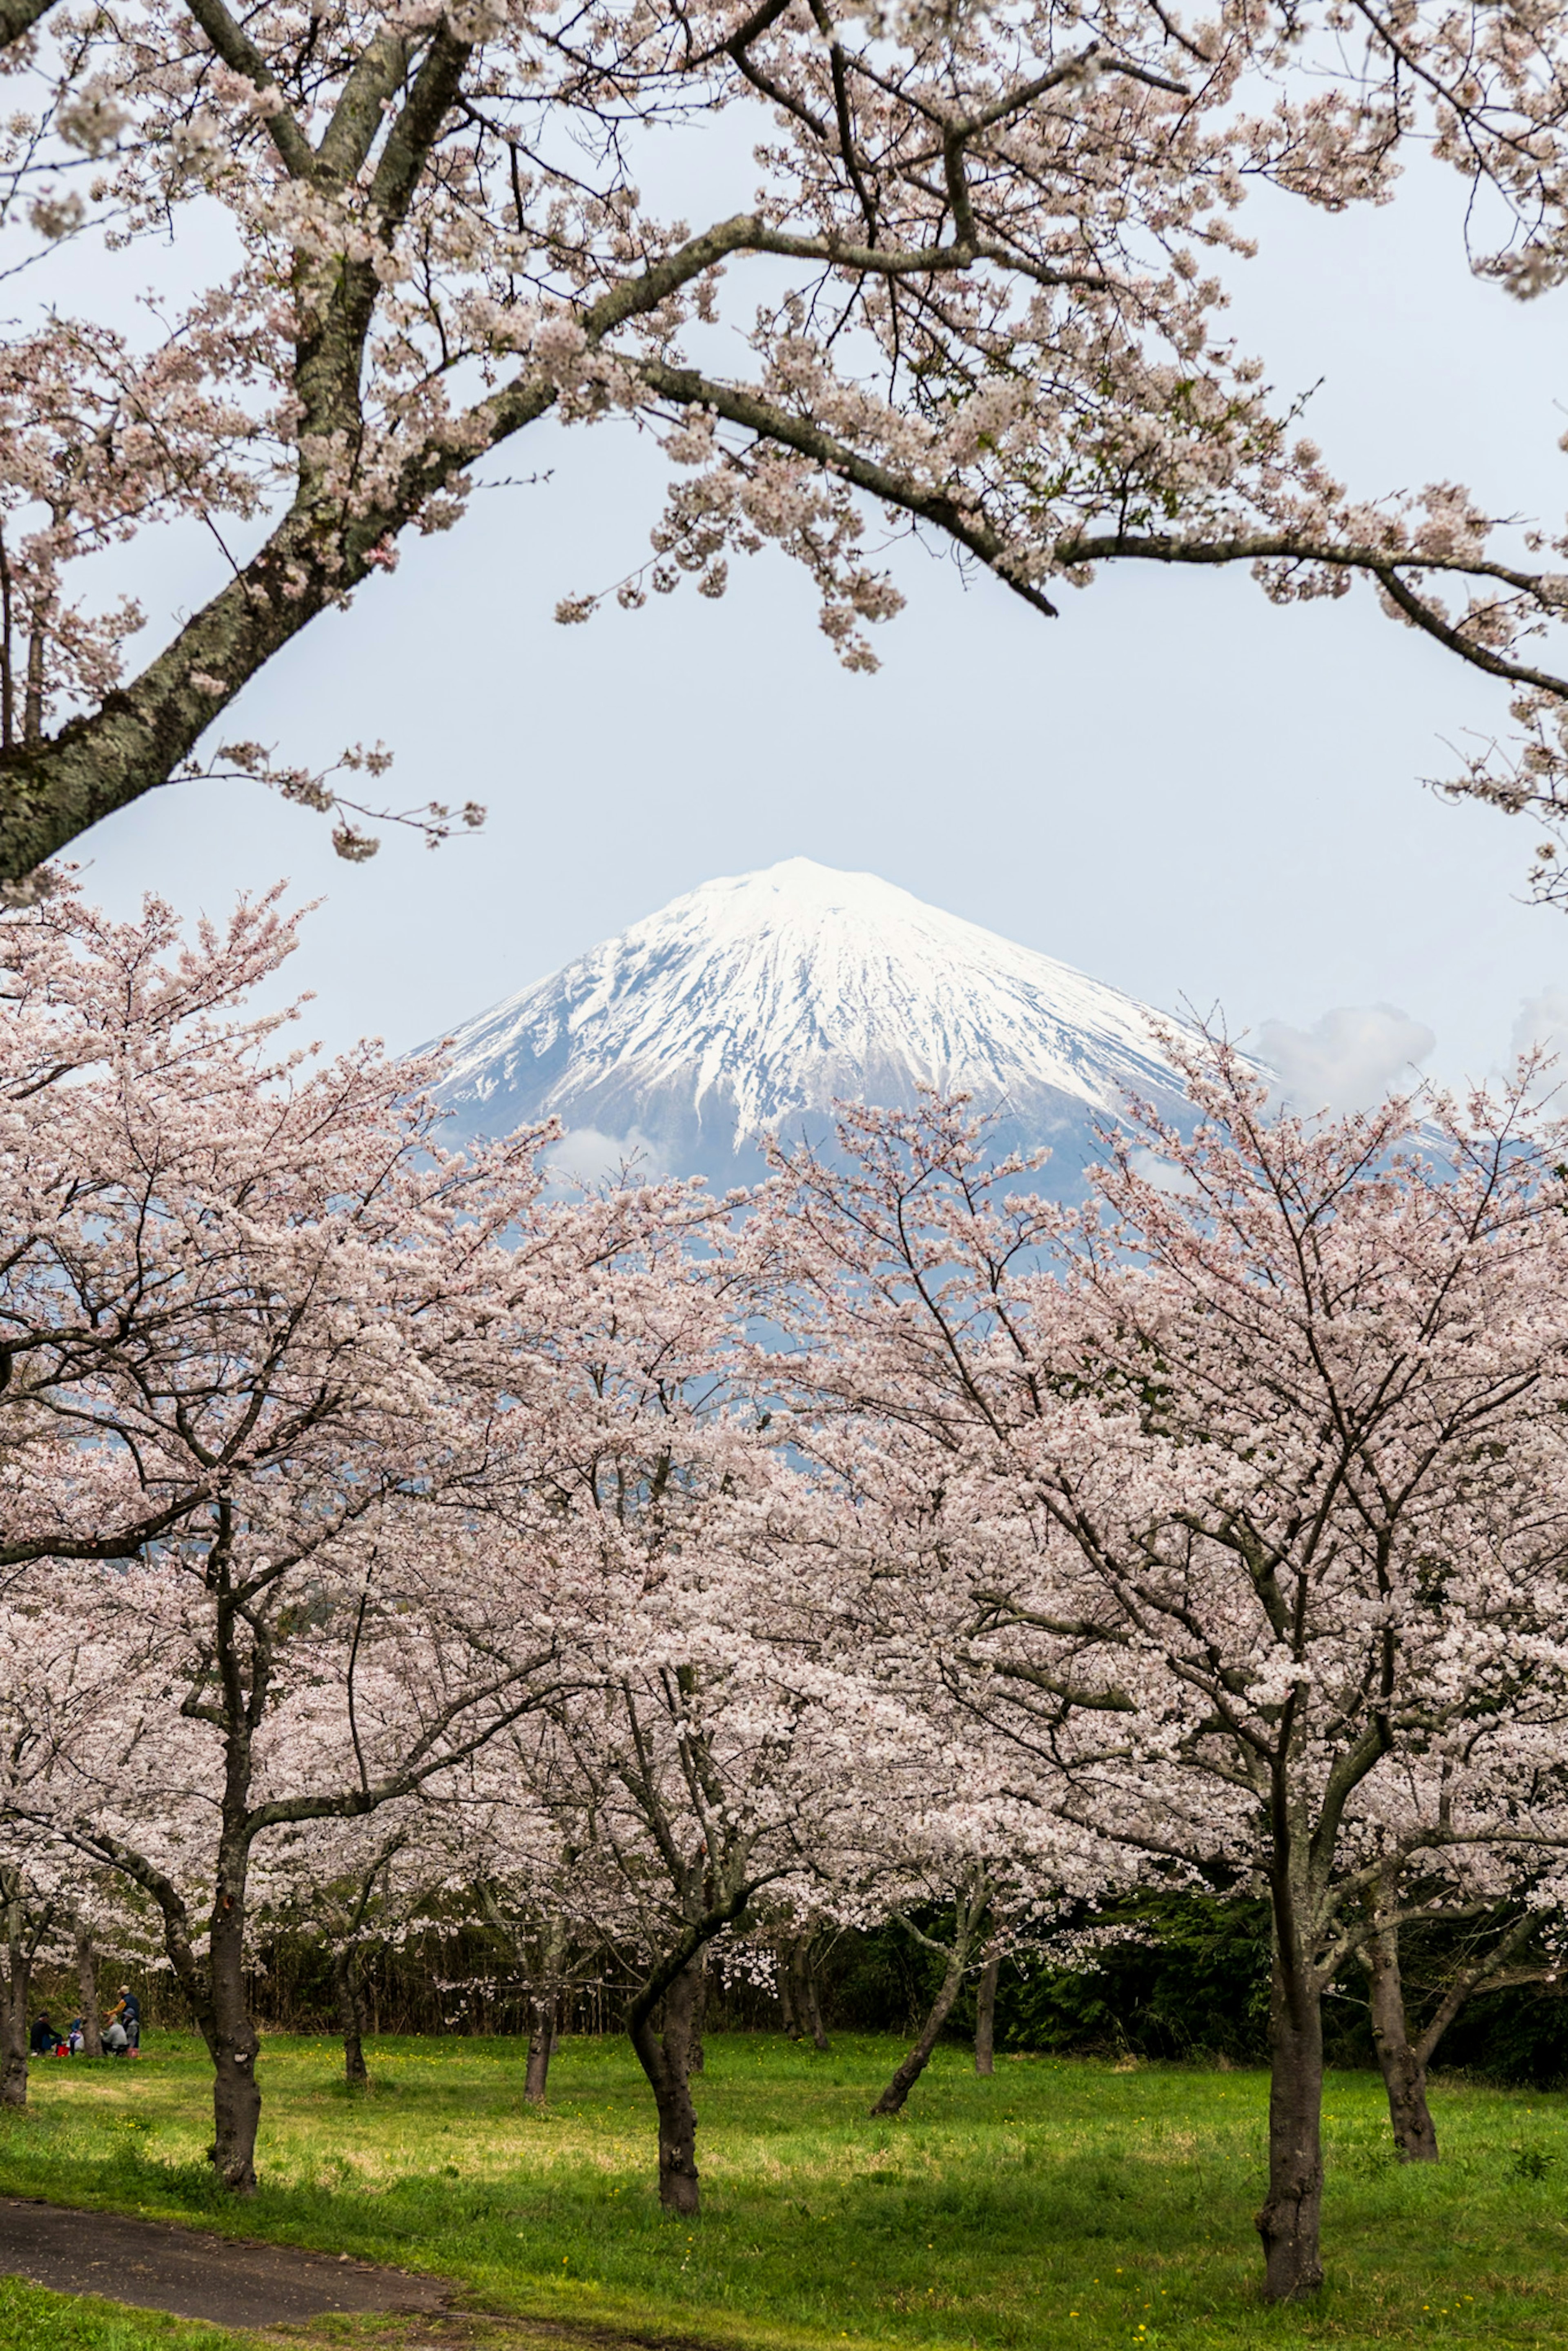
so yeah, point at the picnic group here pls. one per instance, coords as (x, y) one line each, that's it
(120, 2033)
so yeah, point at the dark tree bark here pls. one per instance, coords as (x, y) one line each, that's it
(541, 2047)
(20, 1946)
(665, 2058)
(1403, 2057)
(798, 1991)
(348, 1992)
(909, 2071)
(347, 1966)
(14, 2041)
(19, 17)
(986, 2017)
(671, 1991)
(86, 1989)
(541, 1958)
(787, 1951)
(229, 2031)
(699, 2063)
(1403, 2065)
(969, 1917)
(214, 1986)
(811, 2004)
(1289, 2221)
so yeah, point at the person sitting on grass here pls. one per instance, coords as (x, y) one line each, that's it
(75, 2039)
(115, 2040)
(45, 2040)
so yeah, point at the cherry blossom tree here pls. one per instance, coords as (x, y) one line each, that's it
(742, 1751)
(718, 1747)
(32, 1917)
(968, 281)
(971, 1910)
(290, 1387)
(55, 1913)
(1503, 1903)
(510, 1845)
(796, 1958)
(1230, 1499)
(368, 1895)
(718, 1760)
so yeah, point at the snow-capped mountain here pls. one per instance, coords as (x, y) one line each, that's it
(754, 1002)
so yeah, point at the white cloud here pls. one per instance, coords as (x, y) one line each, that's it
(1162, 1173)
(1348, 1060)
(1543, 1023)
(584, 1155)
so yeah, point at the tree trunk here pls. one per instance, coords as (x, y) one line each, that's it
(541, 2047)
(544, 2005)
(18, 1983)
(350, 2015)
(697, 2060)
(233, 2044)
(14, 2042)
(1404, 2061)
(665, 2058)
(1403, 2068)
(1291, 2217)
(986, 2017)
(787, 1990)
(87, 1990)
(808, 1989)
(891, 2099)
(14, 2035)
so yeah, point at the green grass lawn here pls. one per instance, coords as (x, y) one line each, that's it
(1060, 2203)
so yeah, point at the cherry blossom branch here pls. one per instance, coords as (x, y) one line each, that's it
(1011, 364)
(422, 1764)
(770, 423)
(239, 52)
(313, 787)
(1378, 563)
(684, 1949)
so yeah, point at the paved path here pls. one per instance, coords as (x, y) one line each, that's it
(234, 2281)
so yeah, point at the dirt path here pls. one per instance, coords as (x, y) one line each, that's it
(233, 2282)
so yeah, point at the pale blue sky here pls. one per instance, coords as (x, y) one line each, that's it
(1175, 786)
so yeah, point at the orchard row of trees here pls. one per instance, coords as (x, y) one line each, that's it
(390, 1532)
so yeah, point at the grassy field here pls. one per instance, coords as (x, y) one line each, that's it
(1060, 2203)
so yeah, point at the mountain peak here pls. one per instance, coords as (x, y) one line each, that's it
(758, 997)
(805, 887)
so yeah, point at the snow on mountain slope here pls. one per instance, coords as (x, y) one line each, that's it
(761, 997)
